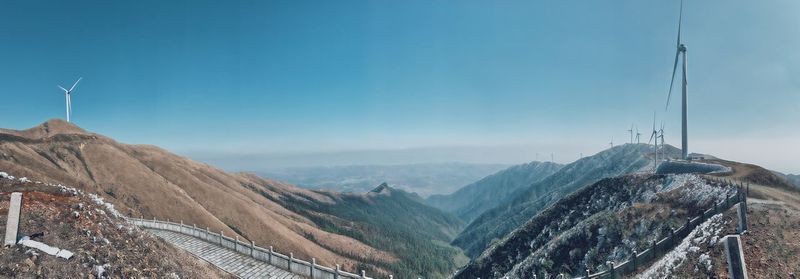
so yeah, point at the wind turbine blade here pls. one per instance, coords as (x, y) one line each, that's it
(76, 83)
(672, 80)
(680, 20)
(677, 53)
(62, 88)
(654, 120)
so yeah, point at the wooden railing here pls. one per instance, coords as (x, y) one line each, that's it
(248, 248)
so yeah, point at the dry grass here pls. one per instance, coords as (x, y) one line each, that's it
(772, 243)
(149, 181)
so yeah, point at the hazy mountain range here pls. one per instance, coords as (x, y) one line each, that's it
(474, 199)
(423, 179)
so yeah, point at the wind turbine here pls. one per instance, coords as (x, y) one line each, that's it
(67, 93)
(612, 142)
(661, 135)
(654, 135)
(638, 135)
(681, 49)
(631, 132)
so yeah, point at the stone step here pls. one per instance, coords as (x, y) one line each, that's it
(232, 262)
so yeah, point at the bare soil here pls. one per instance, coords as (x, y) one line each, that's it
(96, 238)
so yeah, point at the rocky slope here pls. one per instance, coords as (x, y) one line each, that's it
(146, 180)
(474, 199)
(104, 245)
(526, 202)
(602, 222)
(771, 244)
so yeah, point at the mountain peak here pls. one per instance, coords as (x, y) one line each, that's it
(383, 188)
(48, 129)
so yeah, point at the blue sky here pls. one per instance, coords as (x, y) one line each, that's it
(211, 79)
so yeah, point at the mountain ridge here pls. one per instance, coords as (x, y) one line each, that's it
(526, 202)
(472, 200)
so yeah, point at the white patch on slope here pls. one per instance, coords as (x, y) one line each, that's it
(704, 233)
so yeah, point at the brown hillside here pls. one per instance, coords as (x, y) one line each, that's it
(146, 180)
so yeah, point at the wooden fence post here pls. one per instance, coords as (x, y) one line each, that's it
(313, 263)
(610, 270)
(291, 259)
(653, 250)
(336, 274)
(672, 237)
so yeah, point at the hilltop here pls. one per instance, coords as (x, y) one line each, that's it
(144, 180)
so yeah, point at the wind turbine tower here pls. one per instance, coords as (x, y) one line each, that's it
(67, 94)
(681, 49)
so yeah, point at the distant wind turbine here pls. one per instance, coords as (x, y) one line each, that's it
(661, 134)
(684, 102)
(67, 93)
(631, 132)
(654, 135)
(638, 135)
(612, 142)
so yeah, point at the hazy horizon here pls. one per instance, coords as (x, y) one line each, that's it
(316, 83)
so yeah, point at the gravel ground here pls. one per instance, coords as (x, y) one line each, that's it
(104, 246)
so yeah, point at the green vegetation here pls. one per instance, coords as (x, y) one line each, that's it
(390, 220)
